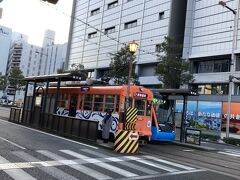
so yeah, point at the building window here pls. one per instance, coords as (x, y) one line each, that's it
(158, 48)
(109, 30)
(131, 24)
(92, 35)
(211, 66)
(95, 11)
(213, 89)
(161, 16)
(113, 5)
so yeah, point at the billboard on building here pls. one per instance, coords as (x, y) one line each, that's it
(234, 126)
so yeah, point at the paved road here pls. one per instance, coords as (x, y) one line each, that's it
(224, 162)
(27, 154)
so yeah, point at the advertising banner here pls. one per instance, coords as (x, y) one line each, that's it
(209, 117)
(203, 115)
(234, 126)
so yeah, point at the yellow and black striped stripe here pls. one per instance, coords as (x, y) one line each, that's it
(129, 126)
(131, 114)
(123, 144)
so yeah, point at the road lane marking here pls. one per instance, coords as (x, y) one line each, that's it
(159, 175)
(14, 144)
(16, 173)
(170, 163)
(47, 166)
(101, 164)
(88, 171)
(188, 150)
(156, 165)
(50, 134)
(230, 154)
(122, 161)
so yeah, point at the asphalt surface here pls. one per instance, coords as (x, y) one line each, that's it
(27, 154)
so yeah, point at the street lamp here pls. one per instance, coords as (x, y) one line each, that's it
(132, 47)
(232, 64)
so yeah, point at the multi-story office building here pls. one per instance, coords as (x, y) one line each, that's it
(34, 60)
(101, 27)
(208, 45)
(53, 56)
(5, 41)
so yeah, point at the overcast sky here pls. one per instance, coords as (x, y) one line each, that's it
(33, 17)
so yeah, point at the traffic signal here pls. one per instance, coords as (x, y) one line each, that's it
(52, 1)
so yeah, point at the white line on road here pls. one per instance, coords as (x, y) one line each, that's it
(101, 164)
(170, 163)
(188, 150)
(156, 165)
(50, 134)
(88, 171)
(230, 154)
(14, 171)
(10, 142)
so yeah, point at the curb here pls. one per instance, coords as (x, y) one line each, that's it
(204, 148)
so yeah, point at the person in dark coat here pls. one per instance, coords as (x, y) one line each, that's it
(107, 123)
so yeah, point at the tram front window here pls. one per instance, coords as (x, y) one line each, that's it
(164, 113)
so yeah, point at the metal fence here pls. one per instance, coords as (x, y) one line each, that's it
(62, 125)
(15, 115)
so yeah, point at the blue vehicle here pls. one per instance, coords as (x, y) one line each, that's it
(163, 126)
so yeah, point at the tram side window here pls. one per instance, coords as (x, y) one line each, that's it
(63, 101)
(140, 105)
(73, 100)
(117, 103)
(52, 103)
(149, 108)
(47, 103)
(88, 102)
(80, 102)
(98, 102)
(109, 102)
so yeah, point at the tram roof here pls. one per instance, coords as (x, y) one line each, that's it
(176, 92)
(69, 76)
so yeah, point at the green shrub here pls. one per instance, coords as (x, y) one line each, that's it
(210, 137)
(232, 141)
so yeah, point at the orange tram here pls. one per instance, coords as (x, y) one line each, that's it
(91, 103)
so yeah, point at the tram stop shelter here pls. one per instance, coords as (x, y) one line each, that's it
(39, 108)
(177, 94)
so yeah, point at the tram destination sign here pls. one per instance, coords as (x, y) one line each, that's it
(142, 95)
(85, 89)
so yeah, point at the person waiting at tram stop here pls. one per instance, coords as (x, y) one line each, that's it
(107, 123)
(72, 110)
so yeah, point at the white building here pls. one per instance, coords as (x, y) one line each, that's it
(53, 56)
(208, 45)
(5, 41)
(101, 27)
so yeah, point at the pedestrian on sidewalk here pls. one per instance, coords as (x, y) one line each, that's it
(107, 123)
